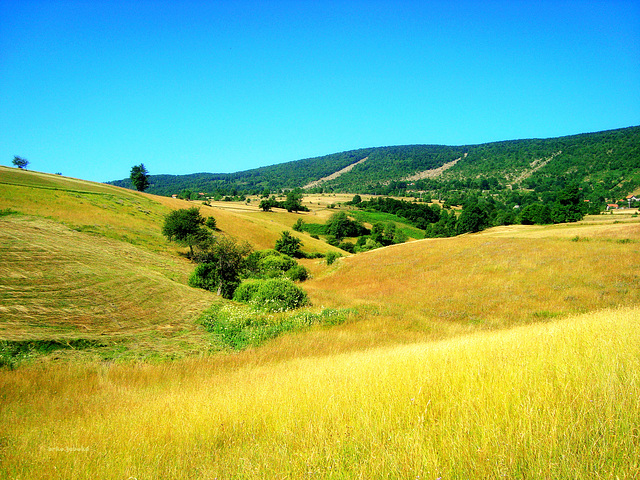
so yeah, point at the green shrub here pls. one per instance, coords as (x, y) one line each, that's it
(237, 327)
(211, 223)
(209, 277)
(332, 257)
(276, 265)
(274, 295)
(297, 273)
(246, 290)
(288, 244)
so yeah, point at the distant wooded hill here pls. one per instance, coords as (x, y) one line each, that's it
(605, 164)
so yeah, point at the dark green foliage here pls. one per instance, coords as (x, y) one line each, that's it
(268, 204)
(606, 164)
(332, 257)
(472, 219)
(288, 244)
(569, 205)
(185, 227)
(140, 177)
(341, 226)
(297, 273)
(211, 223)
(418, 214)
(293, 203)
(347, 247)
(222, 264)
(536, 214)
(298, 226)
(444, 227)
(20, 162)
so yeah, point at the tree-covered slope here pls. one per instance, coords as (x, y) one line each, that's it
(610, 159)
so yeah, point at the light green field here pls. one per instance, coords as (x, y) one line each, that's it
(513, 353)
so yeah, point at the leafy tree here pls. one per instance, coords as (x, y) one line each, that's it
(444, 227)
(332, 256)
(536, 214)
(222, 266)
(293, 203)
(140, 177)
(299, 225)
(20, 162)
(211, 223)
(341, 226)
(288, 244)
(472, 219)
(184, 226)
(568, 205)
(268, 204)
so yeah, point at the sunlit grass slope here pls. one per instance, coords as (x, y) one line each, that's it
(132, 216)
(60, 284)
(95, 208)
(550, 400)
(438, 286)
(83, 263)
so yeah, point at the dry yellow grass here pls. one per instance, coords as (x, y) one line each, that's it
(429, 382)
(555, 400)
(434, 289)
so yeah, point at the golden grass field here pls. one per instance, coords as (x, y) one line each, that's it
(513, 353)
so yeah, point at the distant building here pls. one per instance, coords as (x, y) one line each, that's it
(612, 206)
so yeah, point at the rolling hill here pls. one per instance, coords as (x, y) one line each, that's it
(606, 163)
(511, 353)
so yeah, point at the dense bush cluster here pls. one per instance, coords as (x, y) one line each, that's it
(224, 263)
(272, 295)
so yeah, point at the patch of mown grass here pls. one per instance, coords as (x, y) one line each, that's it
(14, 352)
(238, 327)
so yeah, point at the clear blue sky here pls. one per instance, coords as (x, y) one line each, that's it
(90, 88)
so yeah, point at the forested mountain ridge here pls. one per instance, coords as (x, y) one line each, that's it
(608, 161)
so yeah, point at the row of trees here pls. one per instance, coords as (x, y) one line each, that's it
(292, 203)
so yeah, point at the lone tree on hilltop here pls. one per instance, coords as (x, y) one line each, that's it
(185, 226)
(140, 177)
(20, 162)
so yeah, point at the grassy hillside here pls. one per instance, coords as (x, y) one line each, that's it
(509, 353)
(551, 400)
(503, 277)
(83, 266)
